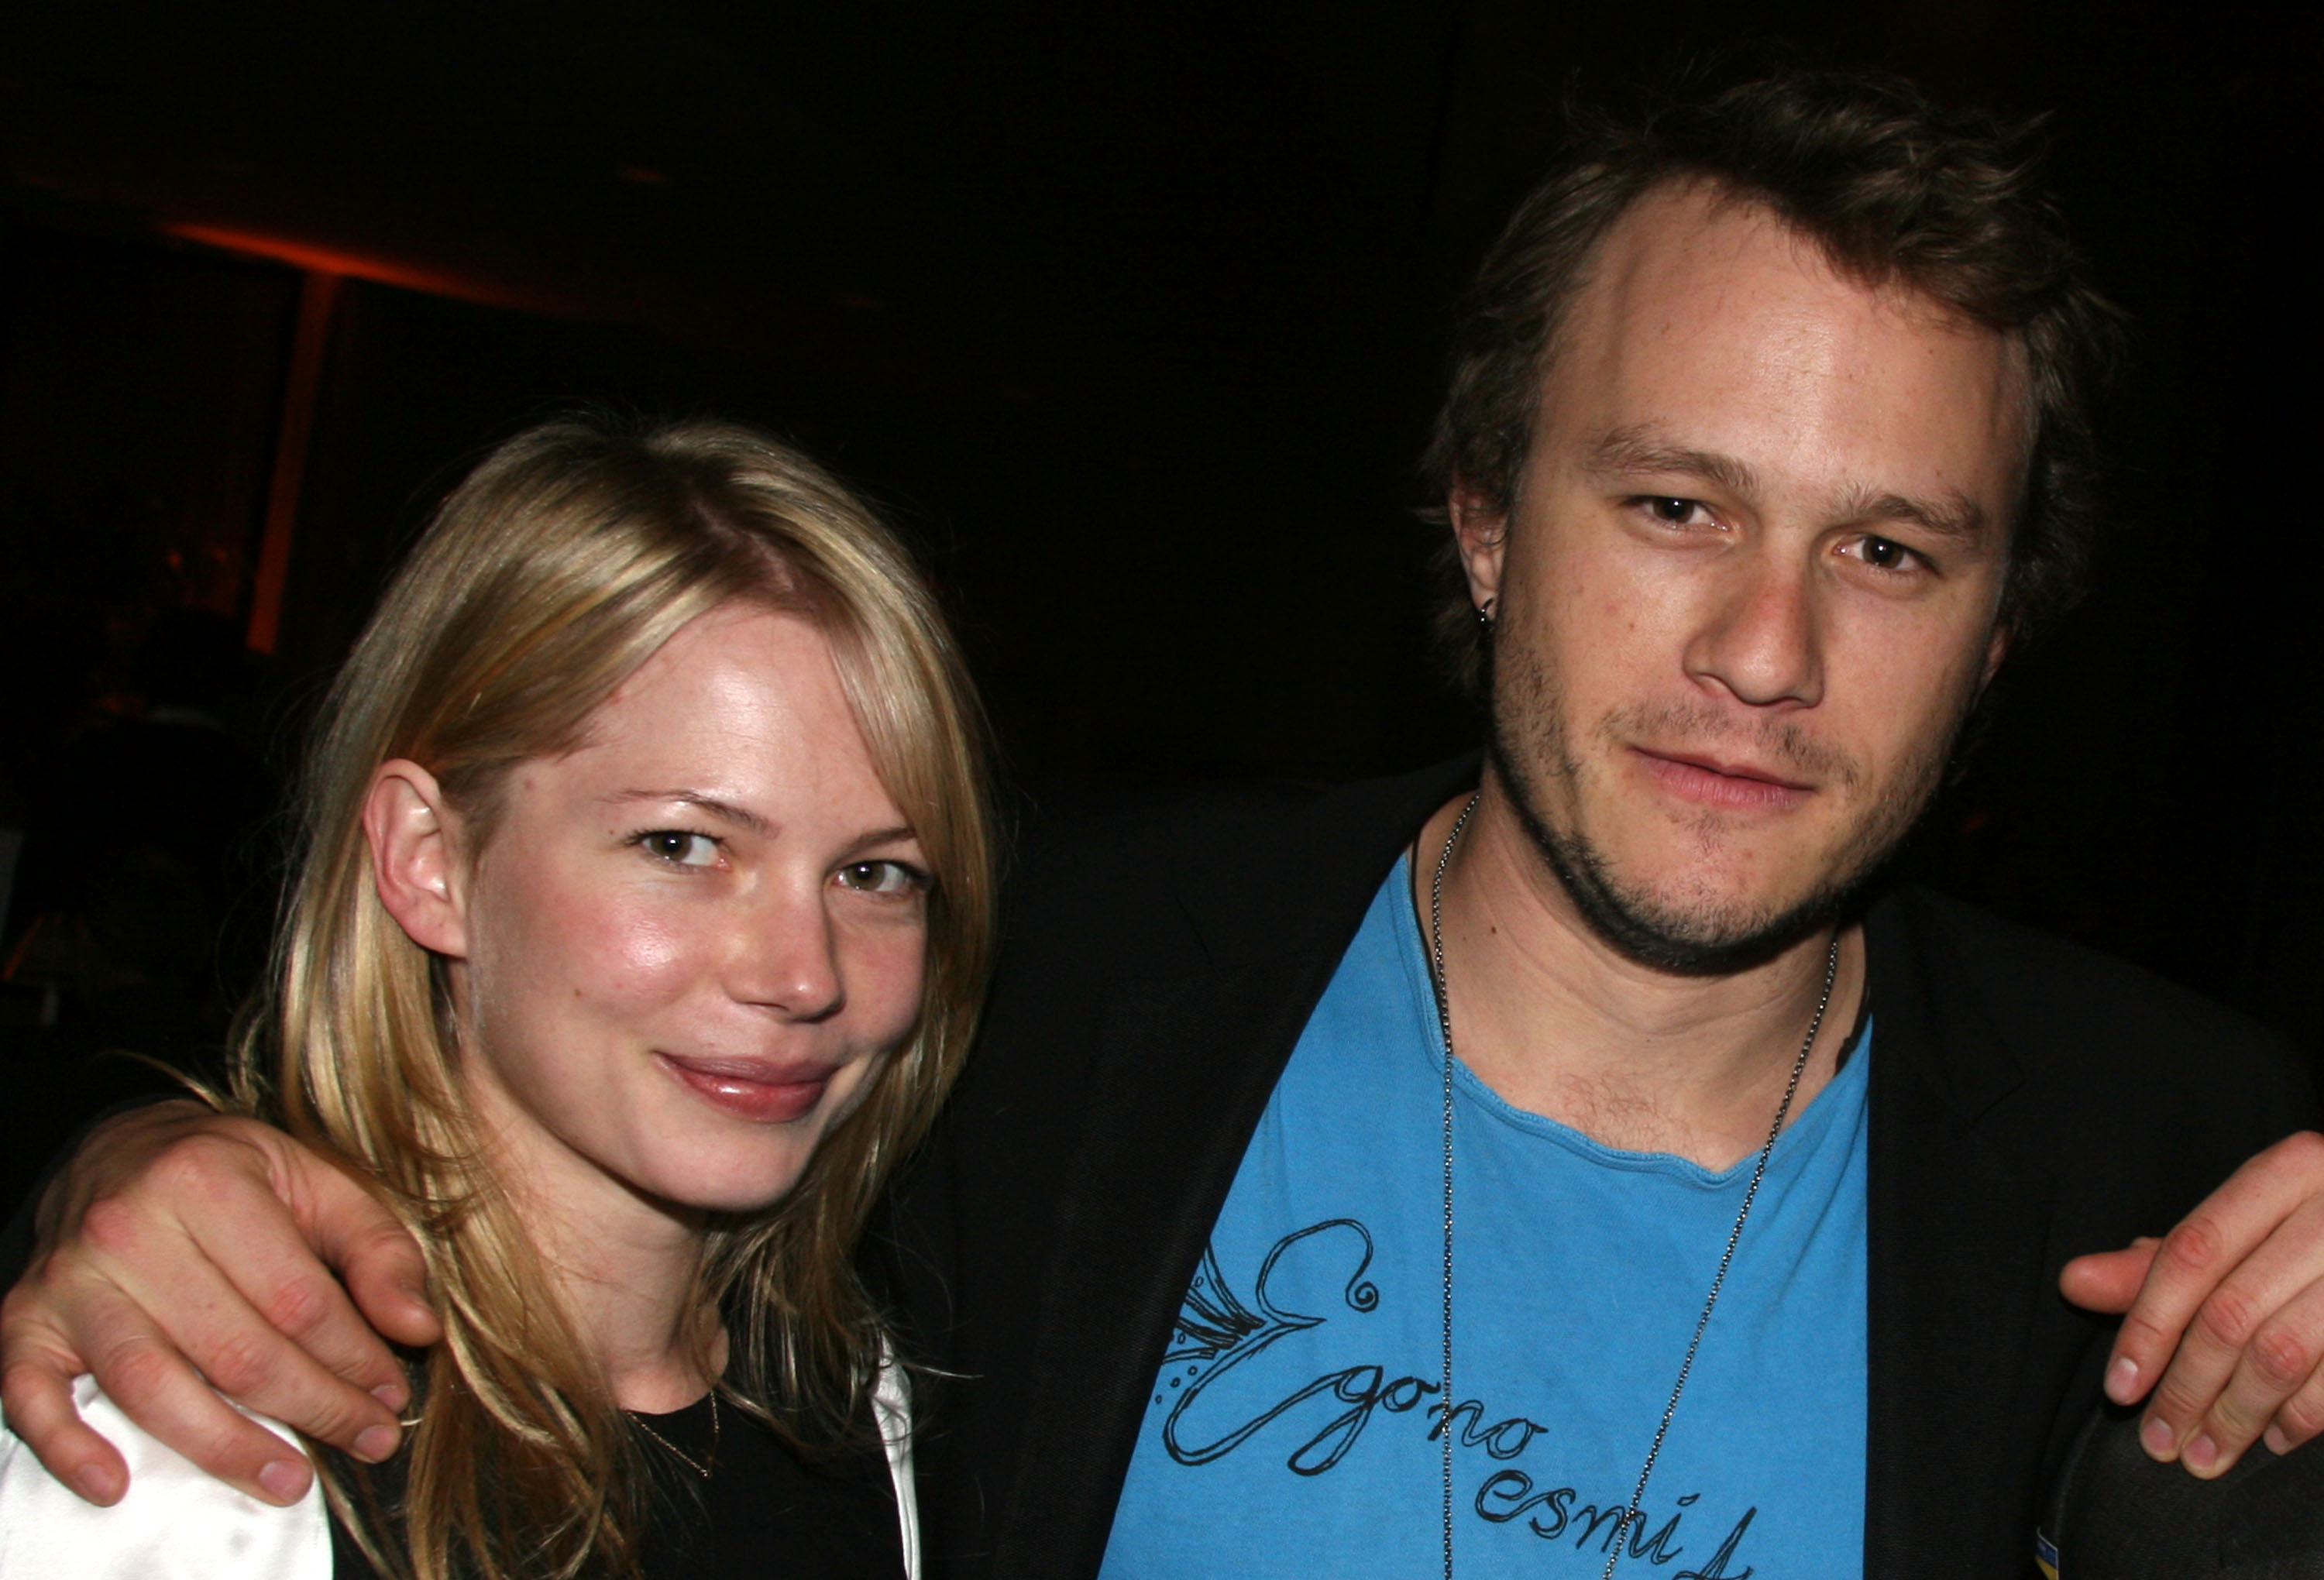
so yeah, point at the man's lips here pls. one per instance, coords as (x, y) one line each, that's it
(766, 1091)
(1715, 782)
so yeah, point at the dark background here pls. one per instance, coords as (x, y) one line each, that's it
(1132, 316)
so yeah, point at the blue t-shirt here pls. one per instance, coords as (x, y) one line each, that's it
(1292, 1428)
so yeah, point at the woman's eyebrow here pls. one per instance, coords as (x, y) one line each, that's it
(879, 837)
(725, 811)
(742, 817)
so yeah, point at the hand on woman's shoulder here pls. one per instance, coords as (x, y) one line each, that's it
(174, 1523)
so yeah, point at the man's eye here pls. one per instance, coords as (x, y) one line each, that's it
(1677, 512)
(679, 848)
(883, 877)
(1883, 554)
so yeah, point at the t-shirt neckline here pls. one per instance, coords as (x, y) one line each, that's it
(1809, 1125)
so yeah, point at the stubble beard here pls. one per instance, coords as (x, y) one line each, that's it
(1532, 745)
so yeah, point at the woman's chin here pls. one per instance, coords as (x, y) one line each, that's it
(742, 1187)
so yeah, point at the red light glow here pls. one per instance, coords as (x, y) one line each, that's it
(323, 260)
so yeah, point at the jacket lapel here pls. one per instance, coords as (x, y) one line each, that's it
(1958, 1249)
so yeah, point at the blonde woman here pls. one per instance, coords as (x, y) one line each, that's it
(641, 910)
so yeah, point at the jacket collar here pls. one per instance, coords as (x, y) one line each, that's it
(1944, 1031)
(1335, 855)
(1958, 1269)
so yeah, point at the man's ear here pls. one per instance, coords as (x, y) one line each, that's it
(414, 864)
(1479, 530)
(1997, 648)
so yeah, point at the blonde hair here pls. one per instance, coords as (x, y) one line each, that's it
(562, 563)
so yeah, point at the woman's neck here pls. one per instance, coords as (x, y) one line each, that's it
(627, 1280)
(622, 1264)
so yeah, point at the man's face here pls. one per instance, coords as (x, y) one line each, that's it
(1748, 592)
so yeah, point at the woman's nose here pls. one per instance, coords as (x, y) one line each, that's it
(785, 956)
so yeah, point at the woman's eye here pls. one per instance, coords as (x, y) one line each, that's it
(882, 878)
(682, 849)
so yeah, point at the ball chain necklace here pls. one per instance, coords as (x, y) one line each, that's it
(1635, 1513)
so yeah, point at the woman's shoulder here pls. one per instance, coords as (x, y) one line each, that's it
(174, 1519)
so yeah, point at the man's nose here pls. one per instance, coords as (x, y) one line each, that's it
(784, 954)
(1760, 639)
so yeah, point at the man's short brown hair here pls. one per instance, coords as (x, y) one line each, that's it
(1894, 189)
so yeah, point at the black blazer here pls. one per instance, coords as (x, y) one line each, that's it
(2029, 1101)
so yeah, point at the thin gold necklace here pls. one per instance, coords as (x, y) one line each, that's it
(701, 1467)
(1635, 1513)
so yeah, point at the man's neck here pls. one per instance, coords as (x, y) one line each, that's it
(1559, 1023)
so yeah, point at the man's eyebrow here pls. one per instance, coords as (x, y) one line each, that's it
(725, 811)
(1625, 451)
(1955, 516)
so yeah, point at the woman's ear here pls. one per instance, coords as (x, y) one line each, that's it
(413, 862)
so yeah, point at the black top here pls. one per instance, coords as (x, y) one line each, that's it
(764, 1510)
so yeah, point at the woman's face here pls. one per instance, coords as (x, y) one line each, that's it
(689, 943)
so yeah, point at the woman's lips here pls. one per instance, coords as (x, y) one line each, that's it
(1716, 785)
(757, 1089)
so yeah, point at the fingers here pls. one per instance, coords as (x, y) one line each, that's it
(2263, 1397)
(36, 1393)
(379, 1261)
(2252, 1346)
(231, 1285)
(174, 1249)
(2195, 1257)
(2108, 1280)
(144, 1375)
(2231, 1309)
(2299, 1420)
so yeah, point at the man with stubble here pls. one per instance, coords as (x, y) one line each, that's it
(1575, 1158)
(1731, 1241)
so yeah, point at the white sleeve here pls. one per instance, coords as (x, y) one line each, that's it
(174, 1523)
(891, 1404)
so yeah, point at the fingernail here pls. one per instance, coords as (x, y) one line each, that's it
(394, 1395)
(375, 1444)
(2156, 1437)
(285, 1478)
(2122, 1381)
(2277, 1443)
(98, 1484)
(2201, 1451)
